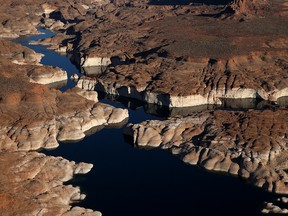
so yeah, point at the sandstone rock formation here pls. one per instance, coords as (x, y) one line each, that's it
(198, 62)
(30, 64)
(33, 116)
(161, 53)
(184, 54)
(250, 144)
(32, 184)
(41, 116)
(271, 208)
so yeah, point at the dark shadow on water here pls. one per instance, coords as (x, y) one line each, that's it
(50, 57)
(164, 111)
(186, 2)
(152, 109)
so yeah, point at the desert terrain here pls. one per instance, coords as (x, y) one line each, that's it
(175, 54)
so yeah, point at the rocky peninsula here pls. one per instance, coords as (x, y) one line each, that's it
(216, 48)
(249, 144)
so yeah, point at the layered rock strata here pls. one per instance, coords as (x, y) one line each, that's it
(252, 144)
(193, 84)
(47, 76)
(198, 62)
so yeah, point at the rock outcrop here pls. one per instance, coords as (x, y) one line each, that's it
(252, 144)
(33, 116)
(209, 81)
(250, 7)
(47, 75)
(198, 62)
(184, 55)
(41, 116)
(32, 184)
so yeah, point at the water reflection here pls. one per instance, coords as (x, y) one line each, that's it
(94, 71)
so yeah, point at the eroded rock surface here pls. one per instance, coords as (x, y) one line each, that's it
(250, 144)
(162, 53)
(33, 116)
(175, 54)
(32, 184)
(185, 55)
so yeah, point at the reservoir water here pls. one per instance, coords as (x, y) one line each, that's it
(135, 182)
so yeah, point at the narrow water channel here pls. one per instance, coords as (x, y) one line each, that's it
(136, 182)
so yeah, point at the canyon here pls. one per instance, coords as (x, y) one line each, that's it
(175, 54)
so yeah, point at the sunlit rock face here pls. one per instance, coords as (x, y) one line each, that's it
(246, 8)
(251, 144)
(166, 54)
(198, 82)
(47, 75)
(33, 185)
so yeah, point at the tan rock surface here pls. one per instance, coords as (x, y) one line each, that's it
(47, 75)
(174, 55)
(250, 144)
(34, 116)
(32, 184)
(184, 55)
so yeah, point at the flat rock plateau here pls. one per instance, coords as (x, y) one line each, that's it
(177, 53)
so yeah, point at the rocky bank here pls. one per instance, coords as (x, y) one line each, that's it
(251, 144)
(184, 54)
(34, 116)
(171, 53)
(32, 184)
(178, 55)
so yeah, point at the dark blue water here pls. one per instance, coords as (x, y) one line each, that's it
(130, 181)
(136, 182)
(50, 57)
